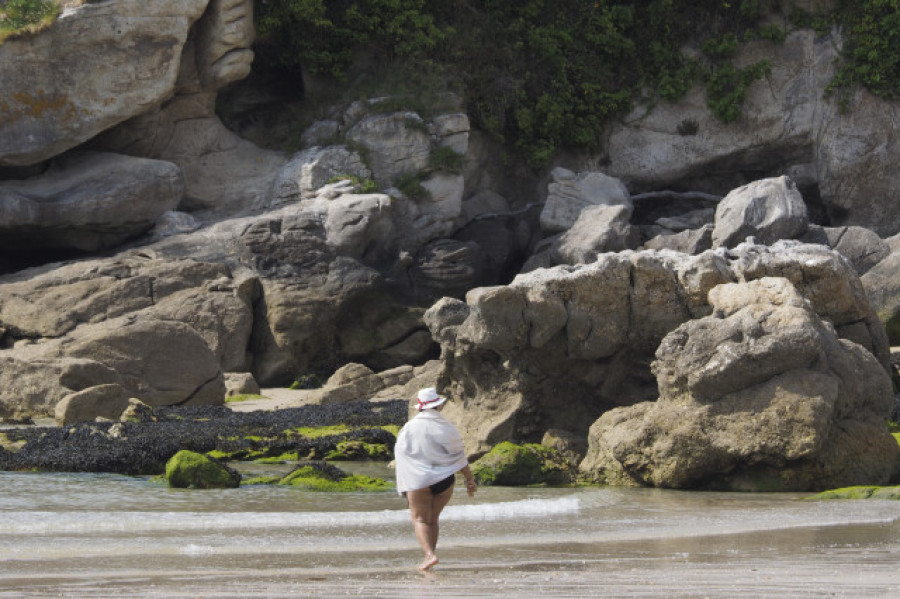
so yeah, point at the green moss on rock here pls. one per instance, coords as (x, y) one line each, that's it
(327, 478)
(860, 492)
(191, 470)
(261, 480)
(359, 450)
(509, 464)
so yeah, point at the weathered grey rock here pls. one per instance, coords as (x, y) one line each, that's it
(312, 168)
(386, 336)
(224, 175)
(349, 383)
(779, 114)
(451, 131)
(129, 51)
(569, 194)
(597, 230)
(446, 267)
(223, 42)
(173, 222)
(161, 363)
(762, 395)
(435, 215)
(694, 219)
(768, 210)
(361, 227)
(240, 383)
(787, 126)
(882, 285)
(588, 333)
(855, 156)
(483, 202)
(52, 302)
(862, 247)
(87, 201)
(690, 241)
(319, 133)
(105, 401)
(219, 313)
(33, 387)
(398, 144)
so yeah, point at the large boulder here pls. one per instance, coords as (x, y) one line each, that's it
(313, 168)
(761, 395)
(97, 65)
(161, 363)
(398, 144)
(570, 193)
(768, 210)
(558, 347)
(88, 201)
(862, 247)
(106, 401)
(597, 230)
(33, 386)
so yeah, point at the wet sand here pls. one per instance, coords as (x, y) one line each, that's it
(833, 561)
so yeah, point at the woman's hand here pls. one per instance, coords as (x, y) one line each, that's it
(471, 487)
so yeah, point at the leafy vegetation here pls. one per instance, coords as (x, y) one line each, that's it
(542, 75)
(18, 17)
(872, 49)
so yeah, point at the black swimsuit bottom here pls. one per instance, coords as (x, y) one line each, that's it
(440, 487)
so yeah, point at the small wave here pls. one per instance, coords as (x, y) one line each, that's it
(49, 523)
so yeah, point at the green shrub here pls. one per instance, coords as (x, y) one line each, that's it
(544, 75)
(871, 54)
(306, 381)
(359, 186)
(411, 186)
(446, 159)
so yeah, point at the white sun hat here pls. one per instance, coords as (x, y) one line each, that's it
(428, 398)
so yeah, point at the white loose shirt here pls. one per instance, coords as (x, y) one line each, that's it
(428, 450)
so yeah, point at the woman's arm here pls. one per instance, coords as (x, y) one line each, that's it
(471, 487)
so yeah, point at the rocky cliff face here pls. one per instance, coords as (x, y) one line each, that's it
(200, 253)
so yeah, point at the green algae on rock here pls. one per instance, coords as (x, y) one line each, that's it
(191, 470)
(325, 477)
(509, 464)
(359, 450)
(860, 492)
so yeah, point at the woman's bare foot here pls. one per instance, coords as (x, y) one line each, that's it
(429, 562)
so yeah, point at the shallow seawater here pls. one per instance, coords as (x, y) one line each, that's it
(109, 535)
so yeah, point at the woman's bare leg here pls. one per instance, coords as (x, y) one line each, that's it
(420, 502)
(438, 503)
(424, 509)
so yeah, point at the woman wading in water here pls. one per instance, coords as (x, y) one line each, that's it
(428, 454)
